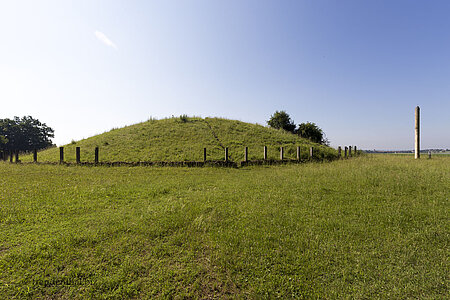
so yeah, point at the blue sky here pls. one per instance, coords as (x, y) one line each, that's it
(356, 68)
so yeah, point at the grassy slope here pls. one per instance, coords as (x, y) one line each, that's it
(174, 140)
(371, 227)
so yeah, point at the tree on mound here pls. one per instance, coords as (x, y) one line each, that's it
(24, 134)
(281, 120)
(312, 132)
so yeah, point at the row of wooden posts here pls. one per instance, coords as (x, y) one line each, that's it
(347, 153)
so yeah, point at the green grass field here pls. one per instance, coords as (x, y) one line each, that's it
(371, 227)
(174, 140)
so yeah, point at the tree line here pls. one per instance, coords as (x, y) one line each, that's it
(308, 130)
(24, 134)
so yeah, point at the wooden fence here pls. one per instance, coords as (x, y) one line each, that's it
(14, 157)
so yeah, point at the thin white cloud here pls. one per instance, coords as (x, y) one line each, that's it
(104, 39)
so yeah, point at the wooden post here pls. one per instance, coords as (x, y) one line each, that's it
(96, 155)
(429, 154)
(281, 153)
(311, 152)
(204, 154)
(265, 152)
(246, 154)
(226, 154)
(298, 153)
(339, 152)
(345, 152)
(78, 156)
(35, 155)
(349, 151)
(417, 135)
(17, 156)
(61, 155)
(356, 151)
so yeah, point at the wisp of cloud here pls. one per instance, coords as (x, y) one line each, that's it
(104, 39)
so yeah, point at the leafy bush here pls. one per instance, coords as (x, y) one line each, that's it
(281, 120)
(312, 132)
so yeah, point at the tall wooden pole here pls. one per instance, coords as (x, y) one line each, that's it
(417, 139)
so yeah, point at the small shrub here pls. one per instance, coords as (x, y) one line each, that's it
(73, 142)
(184, 118)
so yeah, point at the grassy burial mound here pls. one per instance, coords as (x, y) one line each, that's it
(183, 139)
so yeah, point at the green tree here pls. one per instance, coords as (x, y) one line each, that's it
(3, 140)
(281, 120)
(24, 134)
(312, 132)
